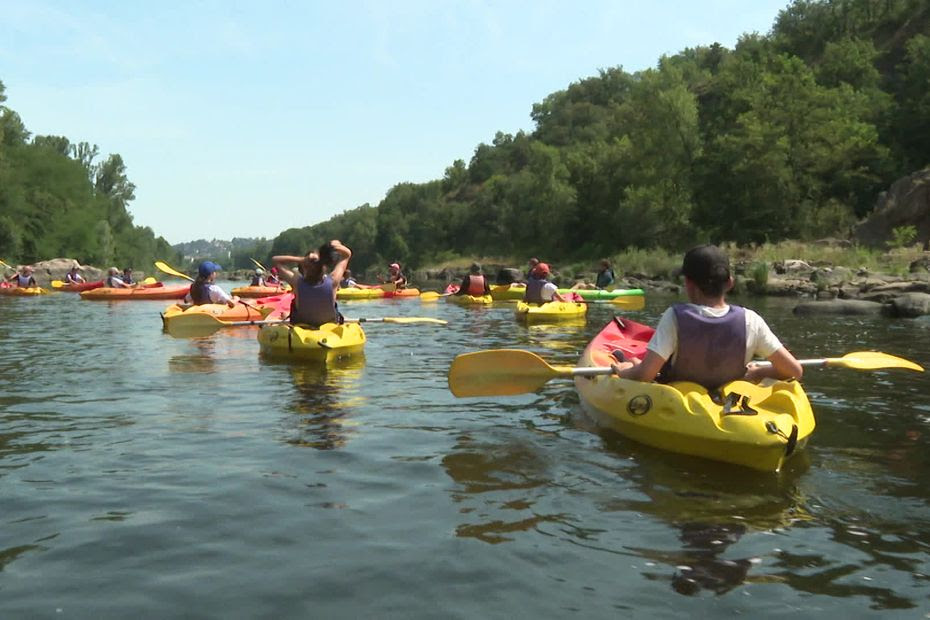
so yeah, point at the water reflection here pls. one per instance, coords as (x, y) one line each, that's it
(513, 470)
(324, 399)
(202, 361)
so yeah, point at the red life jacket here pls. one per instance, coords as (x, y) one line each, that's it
(476, 286)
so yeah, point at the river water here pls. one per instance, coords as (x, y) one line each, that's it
(143, 474)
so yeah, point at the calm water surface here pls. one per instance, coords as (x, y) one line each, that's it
(145, 474)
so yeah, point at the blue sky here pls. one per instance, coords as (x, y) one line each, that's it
(243, 119)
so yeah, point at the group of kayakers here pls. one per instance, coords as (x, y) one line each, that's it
(706, 341)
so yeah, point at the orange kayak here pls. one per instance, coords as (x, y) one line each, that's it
(403, 292)
(178, 317)
(127, 294)
(256, 292)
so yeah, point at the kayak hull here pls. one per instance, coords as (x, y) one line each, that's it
(470, 300)
(257, 292)
(598, 294)
(550, 312)
(508, 292)
(78, 288)
(301, 342)
(401, 293)
(755, 426)
(352, 293)
(177, 317)
(136, 294)
(18, 291)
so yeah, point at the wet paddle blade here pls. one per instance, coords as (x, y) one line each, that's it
(871, 360)
(57, 284)
(501, 372)
(148, 281)
(166, 268)
(429, 296)
(630, 302)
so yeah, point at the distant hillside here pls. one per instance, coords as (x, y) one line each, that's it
(234, 254)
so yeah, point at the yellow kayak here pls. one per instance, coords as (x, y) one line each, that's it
(470, 300)
(508, 292)
(331, 341)
(18, 291)
(550, 311)
(359, 293)
(757, 426)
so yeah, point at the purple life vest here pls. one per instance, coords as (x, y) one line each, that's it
(24, 281)
(711, 351)
(534, 287)
(314, 304)
(200, 292)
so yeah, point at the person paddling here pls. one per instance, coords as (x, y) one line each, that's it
(315, 290)
(204, 289)
(24, 279)
(73, 277)
(395, 277)
(114, 280)
(272, 279)
(258, 278)
(127, 276)
(475, 283)
(708, 341)
(348, 281)
(538, 288)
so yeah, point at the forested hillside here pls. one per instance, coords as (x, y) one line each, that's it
(57, 200)
(791, 134)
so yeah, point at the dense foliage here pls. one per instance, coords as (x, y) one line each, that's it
(789, 135)
(57, 201)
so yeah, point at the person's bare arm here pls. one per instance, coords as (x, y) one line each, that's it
(340, 267)
(646, 371)
(286, 274)
(784, 366)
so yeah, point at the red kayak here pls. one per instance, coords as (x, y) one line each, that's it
(83, 286)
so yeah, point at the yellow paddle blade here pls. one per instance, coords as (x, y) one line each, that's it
(501, 372)
(258, 264)
(149, 280)
(871, 360)
(57, 284)
(166, 268)
(5, 266)
(429, 296)
(630, 302)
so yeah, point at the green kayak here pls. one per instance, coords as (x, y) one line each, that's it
(595, 294)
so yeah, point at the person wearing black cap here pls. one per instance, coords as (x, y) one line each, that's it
(204, 289)
(708, 341)
(475, 283)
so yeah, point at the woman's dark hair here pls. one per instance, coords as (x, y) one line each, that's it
(327, 255)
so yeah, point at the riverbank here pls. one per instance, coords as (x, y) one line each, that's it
(825, 270)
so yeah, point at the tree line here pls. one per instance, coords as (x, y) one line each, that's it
(58, 200)
(791, 134)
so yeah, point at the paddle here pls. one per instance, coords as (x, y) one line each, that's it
(5, 266)
(505, 372)
(632, 302)
(258, 264)
(166, 268)
(860, 360)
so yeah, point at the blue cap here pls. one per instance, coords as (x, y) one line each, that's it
(207, 267)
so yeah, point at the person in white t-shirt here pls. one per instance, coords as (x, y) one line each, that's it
(539, 289)
(708, 341)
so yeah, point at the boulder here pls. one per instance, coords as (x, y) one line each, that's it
(783, 287)
(847, 307)
(792, 266)
(921, 265)
(906, 203)
(908, 305)
(56, 268)
(831, 276)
